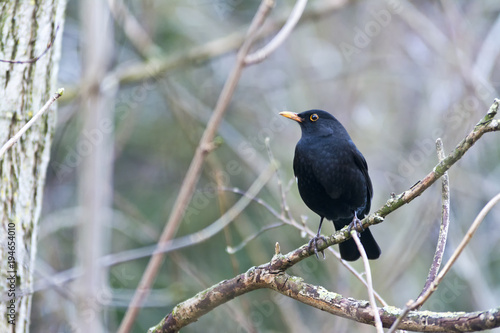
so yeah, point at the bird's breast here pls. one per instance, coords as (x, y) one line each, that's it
(329, 181)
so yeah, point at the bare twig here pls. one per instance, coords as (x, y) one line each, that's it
(442, 45)
(35, 59)
(199, 236)
(157, 66)
(30, 123)
(410, 305)
(234, 249)
(480, 217)
(135, 33)
(191, 178)
(376, 315)
(284, 206)
(280, 37)
(445, 221)
(257, 200)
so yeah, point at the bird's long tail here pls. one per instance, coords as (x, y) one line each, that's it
(349, 251)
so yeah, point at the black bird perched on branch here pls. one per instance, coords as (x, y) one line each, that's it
(333, 178)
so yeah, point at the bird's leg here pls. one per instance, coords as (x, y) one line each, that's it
(314, 240)
(356, 224)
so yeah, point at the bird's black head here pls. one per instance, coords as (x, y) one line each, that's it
(317, 123)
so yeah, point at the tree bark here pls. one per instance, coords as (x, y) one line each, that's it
(26, 28)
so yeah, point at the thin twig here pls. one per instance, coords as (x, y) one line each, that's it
(234, 249)
(442, 238)
(284, 206)
(35, 59)
(280, 37)
(257, 200)
(403, 315)
(199, 236)
(445, 221)
(410, 305)
(158, 66)
(135, 33)
(442, 45)
(480, 217)
(193, 173)
(30, 123)
(222, 202)
(376, 315)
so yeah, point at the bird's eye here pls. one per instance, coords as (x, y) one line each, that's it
(314, 117)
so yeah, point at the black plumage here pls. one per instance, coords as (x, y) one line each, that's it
(332, 177)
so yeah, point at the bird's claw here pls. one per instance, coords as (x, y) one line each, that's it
(356, 225)
(314, 241)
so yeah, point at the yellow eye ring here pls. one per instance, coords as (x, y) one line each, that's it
(314, 117)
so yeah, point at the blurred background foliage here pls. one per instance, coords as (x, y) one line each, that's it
(397, 74)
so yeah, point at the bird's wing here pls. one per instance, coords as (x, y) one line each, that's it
(335, 163)
(361, 163)
(327, 170)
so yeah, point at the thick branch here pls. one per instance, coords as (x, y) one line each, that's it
(266, 276)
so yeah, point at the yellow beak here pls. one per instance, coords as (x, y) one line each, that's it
(291, 115)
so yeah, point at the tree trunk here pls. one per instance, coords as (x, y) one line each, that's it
(26, 28)
(96, 170)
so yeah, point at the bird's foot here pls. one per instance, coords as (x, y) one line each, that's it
(356, 225)
(314, 243)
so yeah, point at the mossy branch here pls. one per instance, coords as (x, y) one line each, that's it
(272, 276)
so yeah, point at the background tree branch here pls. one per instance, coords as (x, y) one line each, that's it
(194, 170)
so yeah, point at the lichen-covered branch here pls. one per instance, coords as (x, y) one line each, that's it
(445, 222)
(272, 276)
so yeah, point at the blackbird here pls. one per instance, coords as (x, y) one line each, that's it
(332, 177)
